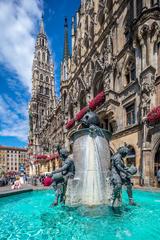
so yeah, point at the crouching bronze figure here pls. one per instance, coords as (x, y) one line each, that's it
(61, 176)
(121, 175)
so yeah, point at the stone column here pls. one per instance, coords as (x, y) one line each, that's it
(149, 50)
(147, 166)
(138, 59)
(143, 55)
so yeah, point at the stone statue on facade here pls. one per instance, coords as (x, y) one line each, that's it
(60, 176)
(121, 175)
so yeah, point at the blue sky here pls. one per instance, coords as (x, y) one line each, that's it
(19, 25)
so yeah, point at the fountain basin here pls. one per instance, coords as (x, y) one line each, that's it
(33, 218)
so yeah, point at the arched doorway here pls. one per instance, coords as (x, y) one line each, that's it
(157, 161)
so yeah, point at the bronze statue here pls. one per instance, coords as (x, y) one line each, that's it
(121, 175)
(62, 175)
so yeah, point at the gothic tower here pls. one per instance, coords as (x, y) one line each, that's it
(43, 89)
(66, 55)
(65, 64)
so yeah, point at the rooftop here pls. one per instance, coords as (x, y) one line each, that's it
(12, 148)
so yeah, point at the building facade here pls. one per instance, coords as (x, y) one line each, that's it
(12, 159)
(115, 53)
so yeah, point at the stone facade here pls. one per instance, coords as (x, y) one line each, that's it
(12, 159)
(115, 49)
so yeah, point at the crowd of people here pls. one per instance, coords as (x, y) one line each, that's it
(15, 181)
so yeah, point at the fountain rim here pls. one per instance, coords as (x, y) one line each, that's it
(86, 131)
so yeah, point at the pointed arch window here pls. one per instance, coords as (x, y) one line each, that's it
(64, 98)
(82, 99)
(41, 89)
(47, 91)
(43, 42)
(130, 73)
(41, 77)
(71, 111)
(43, 57)
(39, 56)
(86, 23)
(98, 85)
(47, 79)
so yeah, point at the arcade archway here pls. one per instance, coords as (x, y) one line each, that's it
(157, 161)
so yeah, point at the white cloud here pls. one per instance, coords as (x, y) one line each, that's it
(14, 118)
(18, 25)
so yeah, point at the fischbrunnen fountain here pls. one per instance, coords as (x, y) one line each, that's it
(93, 177)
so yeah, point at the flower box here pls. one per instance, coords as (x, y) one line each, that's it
(81, 113)
(153, 117)
(70, 123)
(97, 101)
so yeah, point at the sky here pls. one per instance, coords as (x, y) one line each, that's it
(19, 26)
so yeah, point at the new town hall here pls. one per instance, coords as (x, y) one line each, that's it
(114, 69)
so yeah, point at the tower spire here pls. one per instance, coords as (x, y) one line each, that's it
(66, 46)
(42, 25)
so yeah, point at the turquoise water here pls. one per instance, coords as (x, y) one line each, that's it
(29, 216)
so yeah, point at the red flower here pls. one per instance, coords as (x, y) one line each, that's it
(70, 123)
(37, 161)
(81, 113)
(41, 156)
(97, 101)
(153, 117)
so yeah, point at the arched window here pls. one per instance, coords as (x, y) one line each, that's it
(98, 86)
(130, 73)
(71, 111)
(47, 91)
(47, 79)
(42, 42)
(65, 72)
(133, 72)
(43, 57)
(41, 77)
(39, 56)
(82, 99)
(131, 157)
(41, 89)
(86, 23)
(64, 98)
